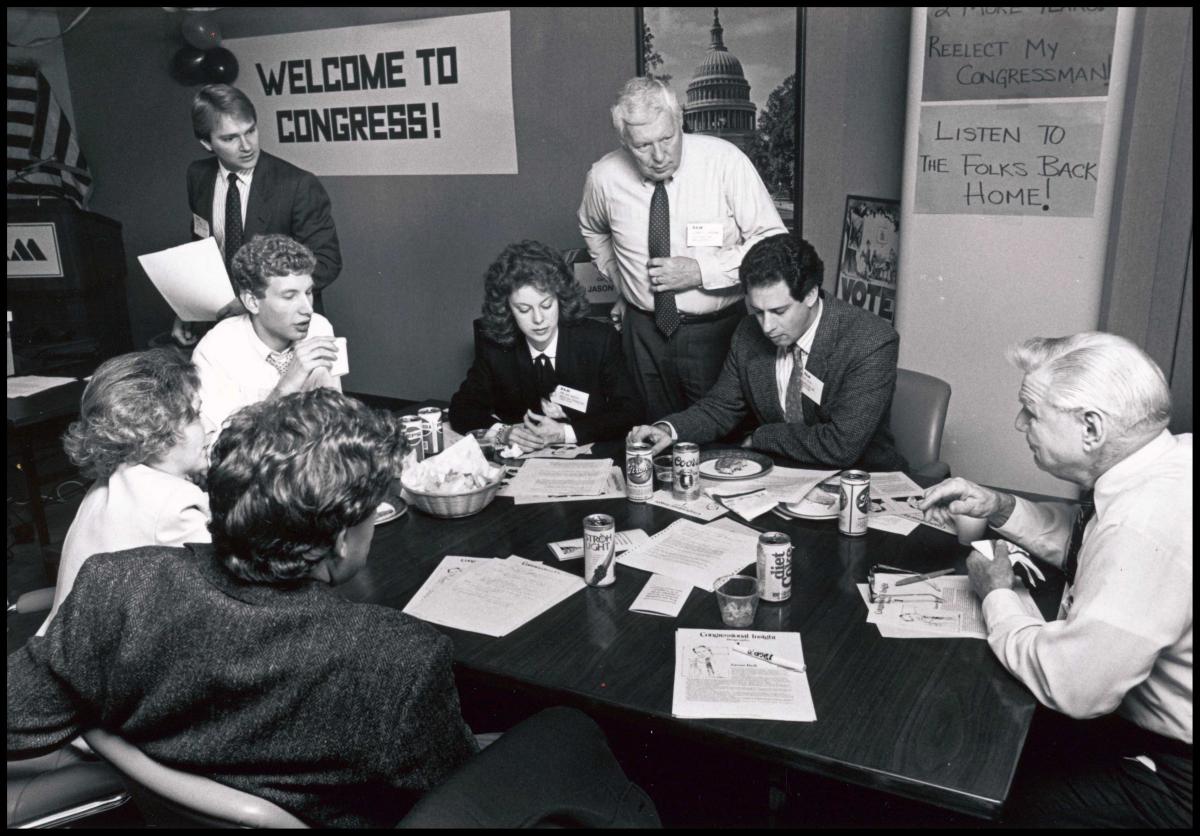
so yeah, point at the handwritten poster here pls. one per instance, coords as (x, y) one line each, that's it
(1036, 158)
(1037, 52)
(427, 96)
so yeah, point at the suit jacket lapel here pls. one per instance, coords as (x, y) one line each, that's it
(764, 391)
(258, 211)
(824, 342)
(525, 377)
(566, 370)
(205, 190)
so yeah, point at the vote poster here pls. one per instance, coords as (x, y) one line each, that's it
(429, 96)
(870, 255)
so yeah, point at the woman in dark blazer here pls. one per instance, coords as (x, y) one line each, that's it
(542, 371)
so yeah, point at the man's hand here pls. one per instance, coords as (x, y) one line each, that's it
(617, 314)
(546, 428)
(311, 354)
(552, 410)
(525, 438)
(658, 437)
(182, 332)
(674, 273)
(958, 496)
(989, 575)
(234, 308)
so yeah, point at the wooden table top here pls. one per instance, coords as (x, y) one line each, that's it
(937, 720)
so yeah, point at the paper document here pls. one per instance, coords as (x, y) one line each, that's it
(662, 596)
(493, 597)
(892, 523)
(784, 484)
(712, 679)
(624, 541)
(894, 494)
(192, 278)
(943, 607)
(560, 451)
(561, 477)
(698, 554)
(26, 385)
(704, 508)
(615, 489)
(450, 567)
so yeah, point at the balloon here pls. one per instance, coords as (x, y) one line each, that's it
(187, 66)
(200, 32)
(220, 66)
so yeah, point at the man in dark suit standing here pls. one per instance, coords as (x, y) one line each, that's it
(242, 191)
(817, 373)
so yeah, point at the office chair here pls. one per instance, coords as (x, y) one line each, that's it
(60, 788)
(918, 418)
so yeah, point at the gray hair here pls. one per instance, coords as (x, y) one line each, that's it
(641, 100)
(1102, 372)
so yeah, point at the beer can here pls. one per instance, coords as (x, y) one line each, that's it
(685, 471)
(854, 503)
(599, 550)
(774, 566)
(639, 471)
(411, 426)
(432, 416)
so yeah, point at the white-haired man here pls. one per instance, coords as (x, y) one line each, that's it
(1094, 410)
(668, 217)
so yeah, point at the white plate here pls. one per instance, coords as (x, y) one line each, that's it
(808, 509)
(388, 511)
(734, 465)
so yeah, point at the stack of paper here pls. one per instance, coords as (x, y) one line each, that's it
(749, 498)
(547, 480)
(698, 554)
(493, 597)
(615, 489)
(943, 607)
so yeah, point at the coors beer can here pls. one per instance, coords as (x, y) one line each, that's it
(685, 469)
(432, 416)
(774, 566)
(599, 550)
(639, 471)
(854, 503)
(411, 426)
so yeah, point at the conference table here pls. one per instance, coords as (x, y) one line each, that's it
(935, 720)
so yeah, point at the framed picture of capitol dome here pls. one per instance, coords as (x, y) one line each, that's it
(738, 73)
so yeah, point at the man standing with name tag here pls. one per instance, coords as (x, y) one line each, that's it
(242, 191)
(817, 373)
(667, 218)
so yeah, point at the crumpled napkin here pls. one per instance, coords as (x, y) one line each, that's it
(460, 467)
(1017, 555)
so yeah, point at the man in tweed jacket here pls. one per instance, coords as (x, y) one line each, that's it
(817, 373)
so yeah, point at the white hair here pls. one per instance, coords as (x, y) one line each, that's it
(1093, 370)
(641, 100)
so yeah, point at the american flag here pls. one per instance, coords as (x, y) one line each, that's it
(43, 157)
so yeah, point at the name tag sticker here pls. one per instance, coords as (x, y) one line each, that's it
(200, 226)
(811, 386)
(705, 235)
(570, 398)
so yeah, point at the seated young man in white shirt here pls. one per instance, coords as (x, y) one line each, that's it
(279, 346)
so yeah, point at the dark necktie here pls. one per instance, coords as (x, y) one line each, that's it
(666, 315)
(1087, 509)
(543, 373)
(233, 221)
(794, 412)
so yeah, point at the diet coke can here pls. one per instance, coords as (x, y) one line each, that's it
(854, 503)
(774, 566)
(432, 416)
(685, 469)
(639, 471)
(599, 550)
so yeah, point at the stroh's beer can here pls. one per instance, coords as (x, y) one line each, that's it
(639, 471)
(685, 471)
(432, 416)
(599, 550)
(854, 503)
(412, 426)
(774, 566)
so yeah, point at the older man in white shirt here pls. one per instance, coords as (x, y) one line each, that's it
(1094, 410)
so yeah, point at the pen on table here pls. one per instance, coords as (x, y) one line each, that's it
(924, 577)
(771, 659)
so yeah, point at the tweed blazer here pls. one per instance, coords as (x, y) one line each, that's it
(501, 383)
(341, 713)
(284, 200)
(853, 353)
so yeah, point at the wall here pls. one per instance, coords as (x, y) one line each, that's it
(414, 248)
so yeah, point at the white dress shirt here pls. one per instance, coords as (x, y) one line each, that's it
(220, 189)
(234, 371)
(785, 357)
(715, 184)
(1124, 640)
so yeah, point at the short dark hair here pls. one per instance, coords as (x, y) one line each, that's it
(265, 256)
(288, 475)
(784, 258)
(133, 411)
(213, 101)
(528, 263)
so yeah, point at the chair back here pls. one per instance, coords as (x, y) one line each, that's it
(167, 797)
(917, 420)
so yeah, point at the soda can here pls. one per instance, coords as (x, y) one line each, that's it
(685, 471)
(774, 566)
(599, 550)
(411, 426)
(639, 471)
(854, 503)
(432, 416)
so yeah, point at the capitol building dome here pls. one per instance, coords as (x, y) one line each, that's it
(718, 96)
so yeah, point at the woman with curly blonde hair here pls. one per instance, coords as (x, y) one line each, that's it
(139, 437)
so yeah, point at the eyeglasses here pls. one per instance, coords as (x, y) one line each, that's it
(879, 589)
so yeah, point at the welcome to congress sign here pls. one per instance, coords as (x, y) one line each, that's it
(417, 97)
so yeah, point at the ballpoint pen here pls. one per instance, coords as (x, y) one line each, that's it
(771, 659)
(924, 577)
